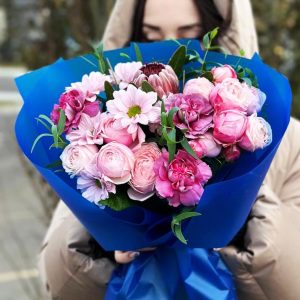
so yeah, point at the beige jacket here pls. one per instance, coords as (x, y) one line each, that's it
(266, 265)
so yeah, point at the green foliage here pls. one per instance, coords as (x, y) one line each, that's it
(138, 53)
(118, 201)
(178, 59)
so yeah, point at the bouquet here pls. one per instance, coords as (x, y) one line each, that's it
(164, 139)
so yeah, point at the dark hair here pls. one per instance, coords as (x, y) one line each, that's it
(210, 16)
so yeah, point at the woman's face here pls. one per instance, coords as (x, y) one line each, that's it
(169, 19)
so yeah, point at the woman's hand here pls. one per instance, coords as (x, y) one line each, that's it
(125, 257)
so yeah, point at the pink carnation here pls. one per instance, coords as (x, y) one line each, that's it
(181, 181)
(194, 115)
(74, 105)
(143, 177)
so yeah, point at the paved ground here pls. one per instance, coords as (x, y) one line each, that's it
(23, 218)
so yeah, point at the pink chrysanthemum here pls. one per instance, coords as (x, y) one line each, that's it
(126, 73)
(88, 132)
(133, 106)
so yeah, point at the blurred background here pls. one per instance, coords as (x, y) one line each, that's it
(34, 33)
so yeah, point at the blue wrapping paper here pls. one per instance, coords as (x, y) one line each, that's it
(173, 270)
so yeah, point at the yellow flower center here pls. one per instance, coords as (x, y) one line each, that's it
(133, 111)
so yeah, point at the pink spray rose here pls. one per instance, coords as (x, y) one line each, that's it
(206, 145)
(143, 177)
(229, 126)
(232, 94)
(115, 161)
(74, 105)
(258, 134)
(161, 77)
(76, 158)
(231, 153)
(195, 113)
(181, 181)
(112, 131)
(200, 85)
(126, 73)
(222, 73)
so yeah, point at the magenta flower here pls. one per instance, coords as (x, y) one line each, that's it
(161, 77)
(232, 153)
(194, 115)
(74, 105)
(132, 107)
(88, 132)
(181, 181)
(95, 186)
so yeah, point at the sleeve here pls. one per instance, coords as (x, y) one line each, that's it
(71, 264)
(266, 264)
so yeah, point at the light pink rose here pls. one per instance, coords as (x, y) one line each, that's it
(206, 145)
(181, 181)
(222, 73)
(258, 134)
(231, 153)
(200, 85)
(232, 94)
(76, 158)
(112, 131)
(161, 77)
(143, 177)
(73, 103)
(229, 126)
(115, 161)
(194, 115)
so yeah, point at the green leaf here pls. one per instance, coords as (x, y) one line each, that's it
(125, 56)
(47, 119)
(138, 53)
(61, 122)
(171, 114)
(109, 90)
(164, 119)
(88, 61)
(177, 60)
(38, 138)
(247, 80)
(99, 49)
(44, 123)
(117, 202)
(55, 164)
(172, 146)
(59, 145)
(55, 135)
(208, 75)
(214, 33)
(147, 87)
(242, 52)
(206, 41)
(178, 233)
(185, 144)
(163, 108)
(169, 135)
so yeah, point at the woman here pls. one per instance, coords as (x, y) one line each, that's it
(264, 259)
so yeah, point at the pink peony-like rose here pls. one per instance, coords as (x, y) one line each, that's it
(143, 177)
(161, 77)
(91, 85)
(232, 153)
(206, 145)
(229, 126)
(74, 105)
(232, 94)
(194, 115)
(181, 181)
(258, 134)
(115, 161)
(88, 132)
(200, 85)
(113, 132)
(76, 158)
(126, 73)
(222, 73)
